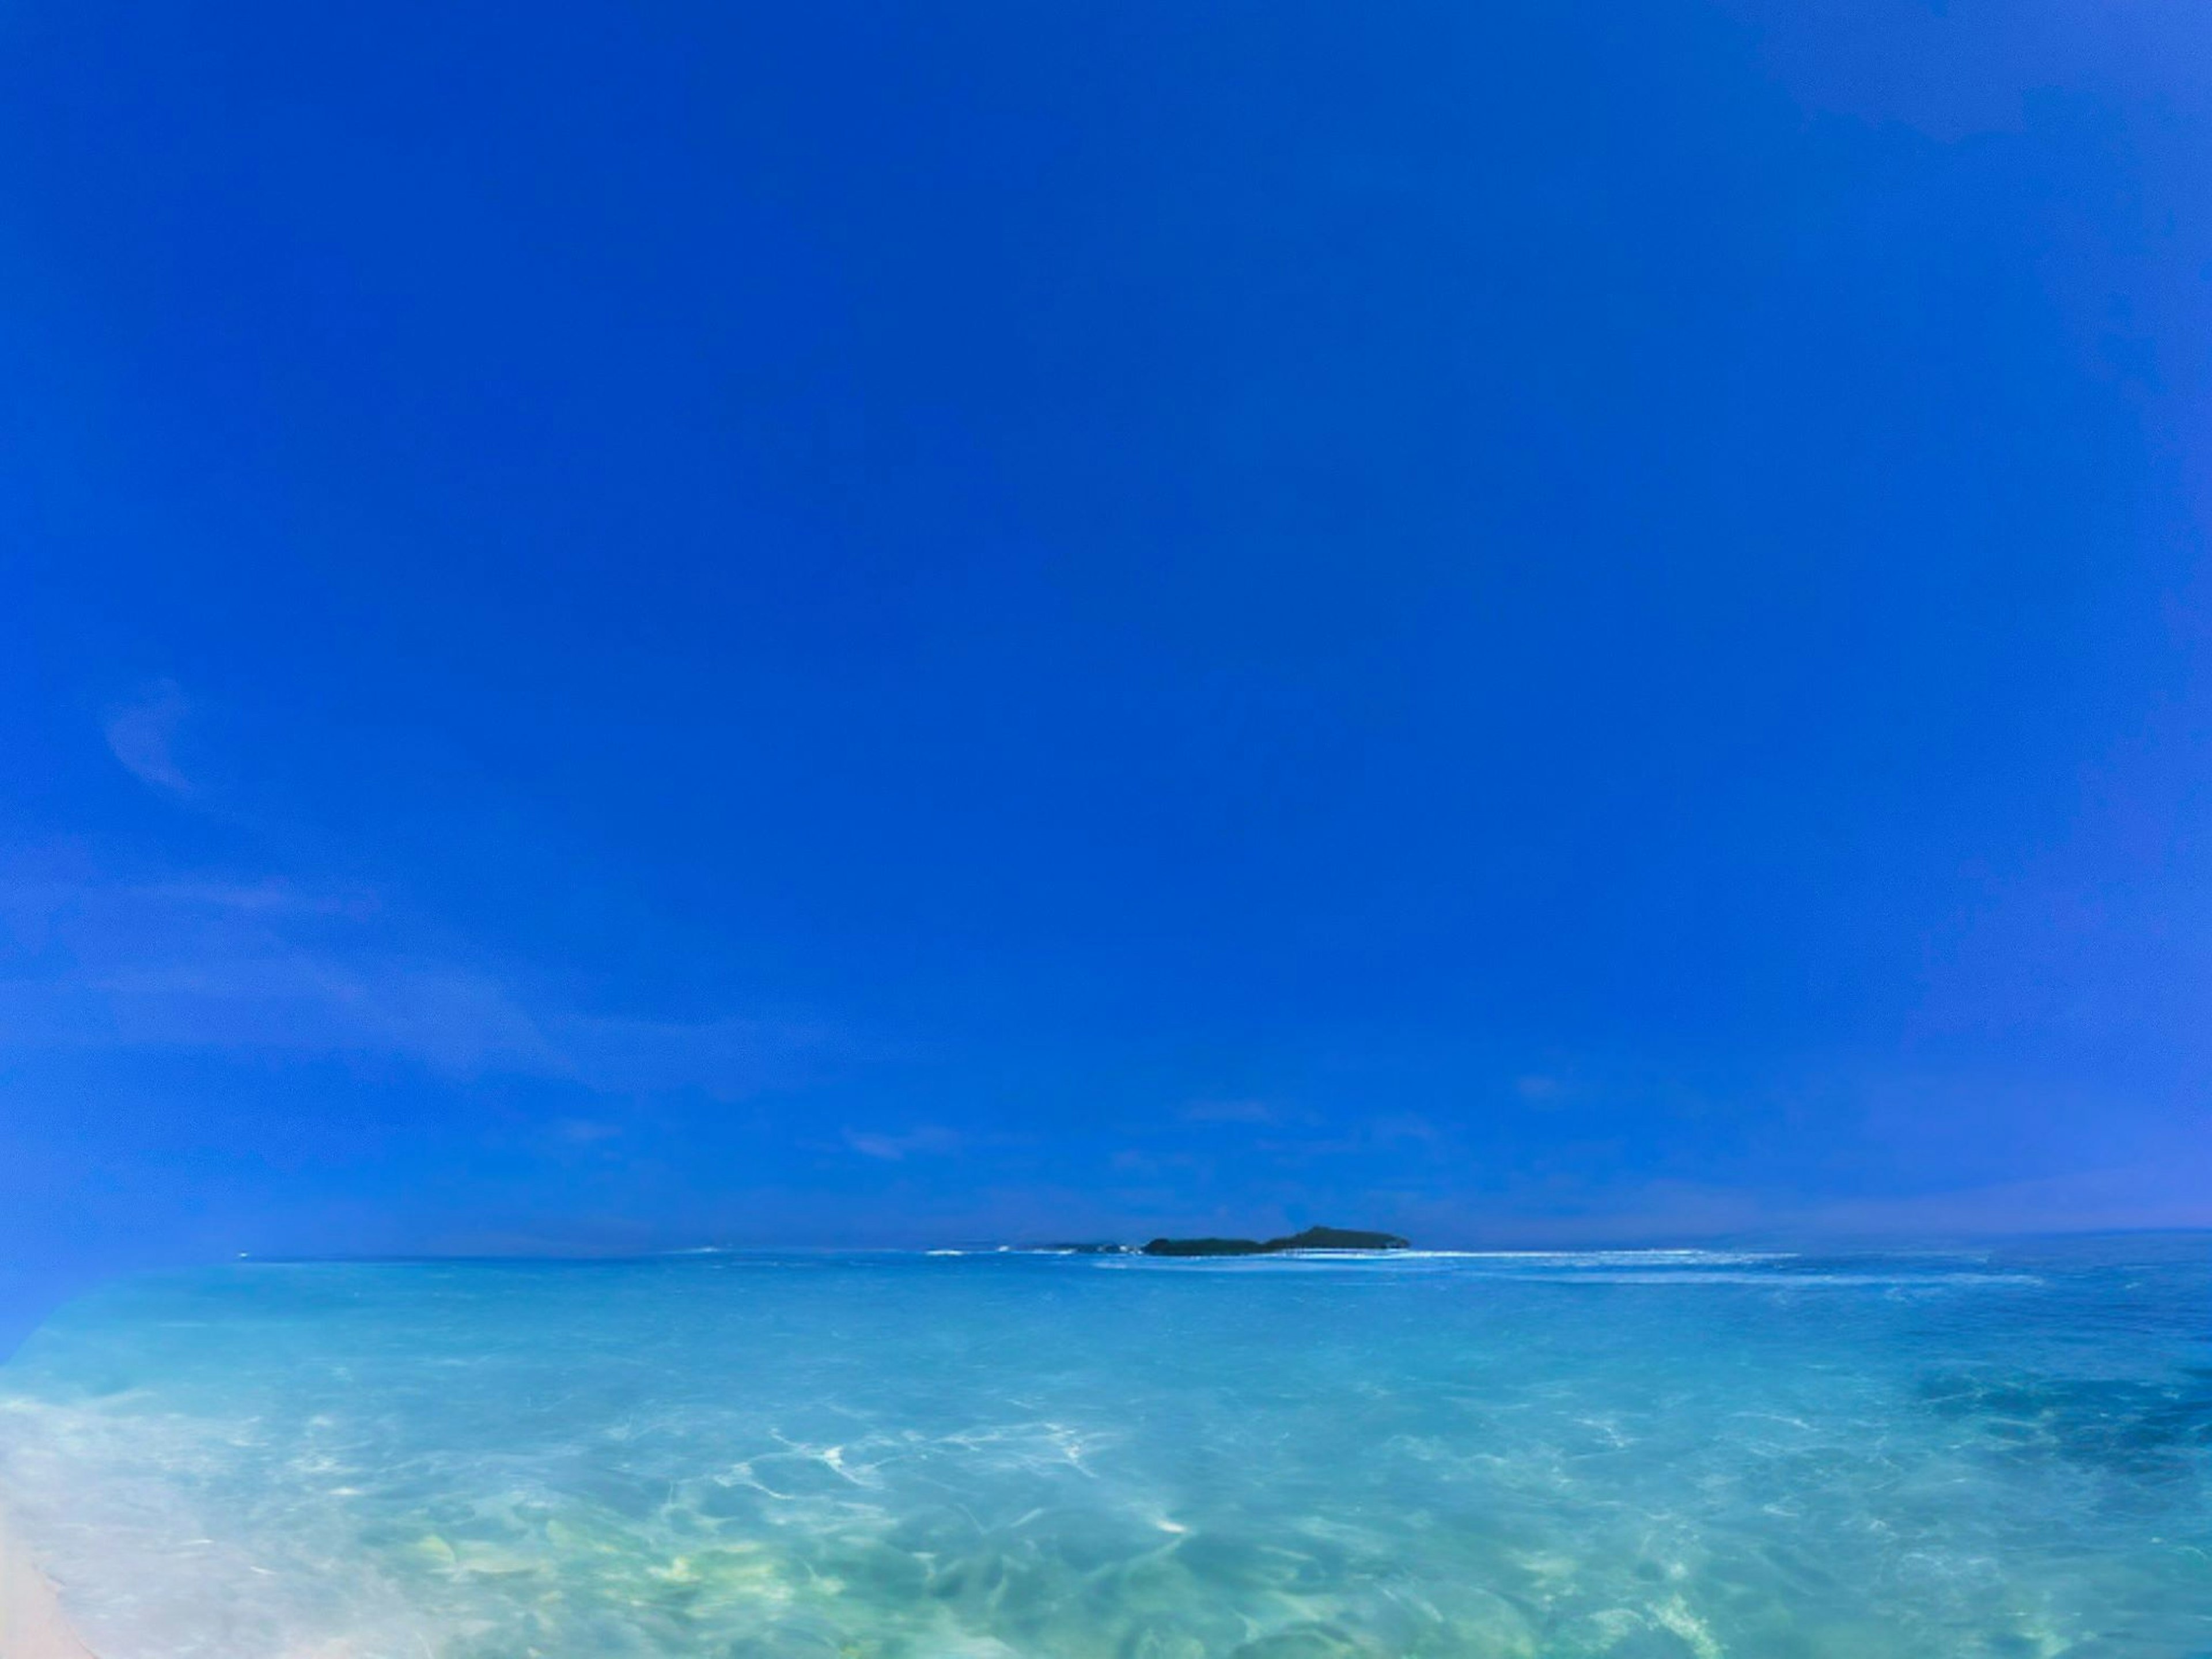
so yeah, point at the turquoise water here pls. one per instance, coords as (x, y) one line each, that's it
(1686, 1454)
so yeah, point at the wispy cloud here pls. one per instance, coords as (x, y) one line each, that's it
(1229, 1111)
(895, 1148)
(142, 736)
(277, 963)
(730, 1056)
(585, 1132)
(271, 967)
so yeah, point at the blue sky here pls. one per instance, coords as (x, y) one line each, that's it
(880, 623)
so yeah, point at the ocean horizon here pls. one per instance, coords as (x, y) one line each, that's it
(1646, 1454)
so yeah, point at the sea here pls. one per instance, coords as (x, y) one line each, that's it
(1640, 1454)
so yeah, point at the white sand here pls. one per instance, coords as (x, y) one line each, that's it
(31, 1622)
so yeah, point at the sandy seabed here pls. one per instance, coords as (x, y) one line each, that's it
(1588, 1454)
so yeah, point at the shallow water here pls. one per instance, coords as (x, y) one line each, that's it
(1637, 1455)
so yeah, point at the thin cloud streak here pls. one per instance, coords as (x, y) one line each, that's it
(896, 1148)
(267, 967)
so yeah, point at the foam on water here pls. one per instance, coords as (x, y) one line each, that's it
(1633, 1453)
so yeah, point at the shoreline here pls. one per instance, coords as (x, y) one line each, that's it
(31, 1625)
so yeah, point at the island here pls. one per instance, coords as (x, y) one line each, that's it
(1313, 1238)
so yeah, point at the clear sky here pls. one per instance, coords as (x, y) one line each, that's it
(630, 625)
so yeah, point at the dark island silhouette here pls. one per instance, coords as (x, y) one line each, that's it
(1313, 1238)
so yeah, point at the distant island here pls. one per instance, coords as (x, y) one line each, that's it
(1314, 1238)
